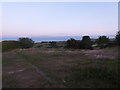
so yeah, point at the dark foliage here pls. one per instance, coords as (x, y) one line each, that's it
(118, 38)
(86, 43)
(26, 42)
(76, 44)
(53, 44)
(103, 41)
(71, 43)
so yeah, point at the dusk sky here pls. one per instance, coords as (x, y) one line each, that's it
(34, 19)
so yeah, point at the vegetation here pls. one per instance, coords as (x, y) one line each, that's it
(0, 46)
(60, 67)
(103, 41)
(54, 68)
(26, 42)
(72, 43)
(21, 43)
(10, 45)
(86, 43)
(118, 38)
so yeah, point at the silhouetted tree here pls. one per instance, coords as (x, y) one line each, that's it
(103, 41)
(86, 43)
(26, 42)
(118, 38)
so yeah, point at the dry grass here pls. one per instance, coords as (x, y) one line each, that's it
(59, 68)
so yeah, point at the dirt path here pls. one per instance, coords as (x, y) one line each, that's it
(48, 79)
(21, 73)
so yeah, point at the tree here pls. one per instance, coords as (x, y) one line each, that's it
(71, 43)
(86, 43)
(118, 38)
(26, 42)
(102, 41)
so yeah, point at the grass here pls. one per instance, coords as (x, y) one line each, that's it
(98, 74)
(0, 46)
(69, 69)
(10, 45)
(10, 81)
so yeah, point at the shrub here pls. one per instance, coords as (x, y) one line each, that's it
(118, 38)
(86, 43)
(103, 41)
(53, 44)
(26, 42)
(71, 43)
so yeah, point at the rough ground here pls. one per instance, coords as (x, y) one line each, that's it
(60, 68)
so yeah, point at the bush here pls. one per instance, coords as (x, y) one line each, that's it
(71, 43)
(118, 38)
(86, 43)
(26, 42)
(76, 44)
(103, 41)
(53, 44)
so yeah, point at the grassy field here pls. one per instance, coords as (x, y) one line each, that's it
(59, 44)
(60, 68)
(10, 45)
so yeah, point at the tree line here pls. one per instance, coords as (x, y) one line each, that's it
(85, 43)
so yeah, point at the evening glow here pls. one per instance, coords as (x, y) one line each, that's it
(33, 19)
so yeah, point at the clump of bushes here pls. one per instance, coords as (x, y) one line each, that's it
(118, 38)
(87, 43)
(72, 43)
(21, 43)
(103, 41)
(26, 42)
(84, 44)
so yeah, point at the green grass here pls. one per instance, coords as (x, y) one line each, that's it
(80, 76)
(10, 45)
(96, 74)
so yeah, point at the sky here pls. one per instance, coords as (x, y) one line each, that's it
(34, 19)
